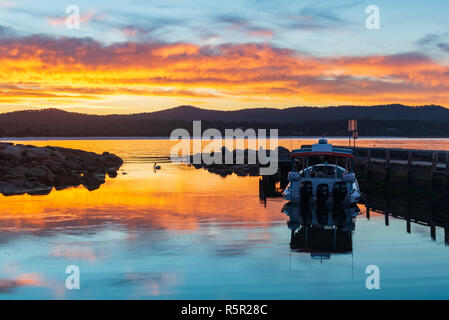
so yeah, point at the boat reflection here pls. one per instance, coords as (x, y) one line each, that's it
(319, 230)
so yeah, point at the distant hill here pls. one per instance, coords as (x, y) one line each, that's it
(301, 114)
(383, 120)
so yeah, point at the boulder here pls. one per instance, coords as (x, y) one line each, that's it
(92, 181)
(36, 153)
(73, 164)
(34, 170)
(12, 152)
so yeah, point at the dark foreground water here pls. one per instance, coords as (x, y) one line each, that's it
(182, 233)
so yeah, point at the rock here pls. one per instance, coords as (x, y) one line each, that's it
(12, 152)
(4, 145)
(92, 181)
(47, 180)
(36, 153)
(111, 160)
(55, 167)
(73, 165)
(34, 170)
(11, 190)
(112, 173)
(245, 169)
(62, 182)
(40, 191)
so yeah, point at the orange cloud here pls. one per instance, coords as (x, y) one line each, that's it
(40, 69)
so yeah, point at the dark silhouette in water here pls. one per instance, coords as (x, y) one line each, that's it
(319, 230)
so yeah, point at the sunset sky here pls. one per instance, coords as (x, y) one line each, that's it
(137, 55)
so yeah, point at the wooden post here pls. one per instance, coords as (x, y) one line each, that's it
(434, 164)
(387, 164)
(408, 220)
(387, 159)
(368, 160)
(409, 164)
(432, 230)
(447, 167)
(446, 235)
(262, 189)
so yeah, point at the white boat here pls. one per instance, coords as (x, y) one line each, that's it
(322, 173)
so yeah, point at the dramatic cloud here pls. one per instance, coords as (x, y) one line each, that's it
(40, 69)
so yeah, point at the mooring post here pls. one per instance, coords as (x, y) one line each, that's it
(447, 167)
(446, 235)
(408, 220)
(367, 161)
(387, 159)
(432, 230)
(387, 221)
(409, 164)
(387, 163)
(434, 164)
(261, 189)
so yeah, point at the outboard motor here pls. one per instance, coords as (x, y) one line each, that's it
(305, 190)
(322, 192)
(322, 214)
(339, 191)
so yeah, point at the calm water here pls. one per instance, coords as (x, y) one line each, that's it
(182, 233)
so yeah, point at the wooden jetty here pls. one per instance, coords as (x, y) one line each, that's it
(407, 184)
(376, 164)
(410, 164)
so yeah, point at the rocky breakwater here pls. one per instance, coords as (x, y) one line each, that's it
(241, 169)
(37, 170)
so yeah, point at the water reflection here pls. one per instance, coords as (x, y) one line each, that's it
(183, 233)
(319, 230)
(423, 204)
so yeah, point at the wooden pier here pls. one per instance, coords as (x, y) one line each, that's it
(410, 164)
(406, 184)
(377, 165)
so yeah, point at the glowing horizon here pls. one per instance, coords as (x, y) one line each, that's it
(123, 63)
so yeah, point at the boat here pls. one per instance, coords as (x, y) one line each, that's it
(156, 167)
(322, 173)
